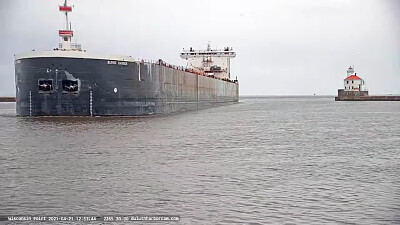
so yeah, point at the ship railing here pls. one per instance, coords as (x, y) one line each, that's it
(139, 60)
(205, 53)
(226, 49)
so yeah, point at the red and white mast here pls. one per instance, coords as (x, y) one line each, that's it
(67, 34)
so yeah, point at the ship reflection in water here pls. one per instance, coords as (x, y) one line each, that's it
(300, 160)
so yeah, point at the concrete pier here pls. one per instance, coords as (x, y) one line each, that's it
(363, 96)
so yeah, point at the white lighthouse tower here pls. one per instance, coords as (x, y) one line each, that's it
(350, 71)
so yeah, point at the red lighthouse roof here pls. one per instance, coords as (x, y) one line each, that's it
(353, 77)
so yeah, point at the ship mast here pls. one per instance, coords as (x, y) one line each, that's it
(67, 34)
(66, 15)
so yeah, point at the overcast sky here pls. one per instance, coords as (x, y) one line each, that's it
(284, 47)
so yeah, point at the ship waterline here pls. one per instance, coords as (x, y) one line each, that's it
(72, 83)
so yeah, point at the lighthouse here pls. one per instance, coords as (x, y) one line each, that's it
(353, 82)
(354, 88)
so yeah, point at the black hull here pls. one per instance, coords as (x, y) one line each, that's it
(102, 87)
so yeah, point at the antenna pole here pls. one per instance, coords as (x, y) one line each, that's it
(66, 15)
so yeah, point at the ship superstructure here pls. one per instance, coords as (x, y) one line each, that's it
(212, 62)
(70, 82)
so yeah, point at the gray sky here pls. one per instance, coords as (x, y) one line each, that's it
(284, 47)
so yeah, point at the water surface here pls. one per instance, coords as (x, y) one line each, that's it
(266, 160)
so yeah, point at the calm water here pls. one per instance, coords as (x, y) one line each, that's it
(273, 160)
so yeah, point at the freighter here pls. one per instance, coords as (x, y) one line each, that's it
(70, 82)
